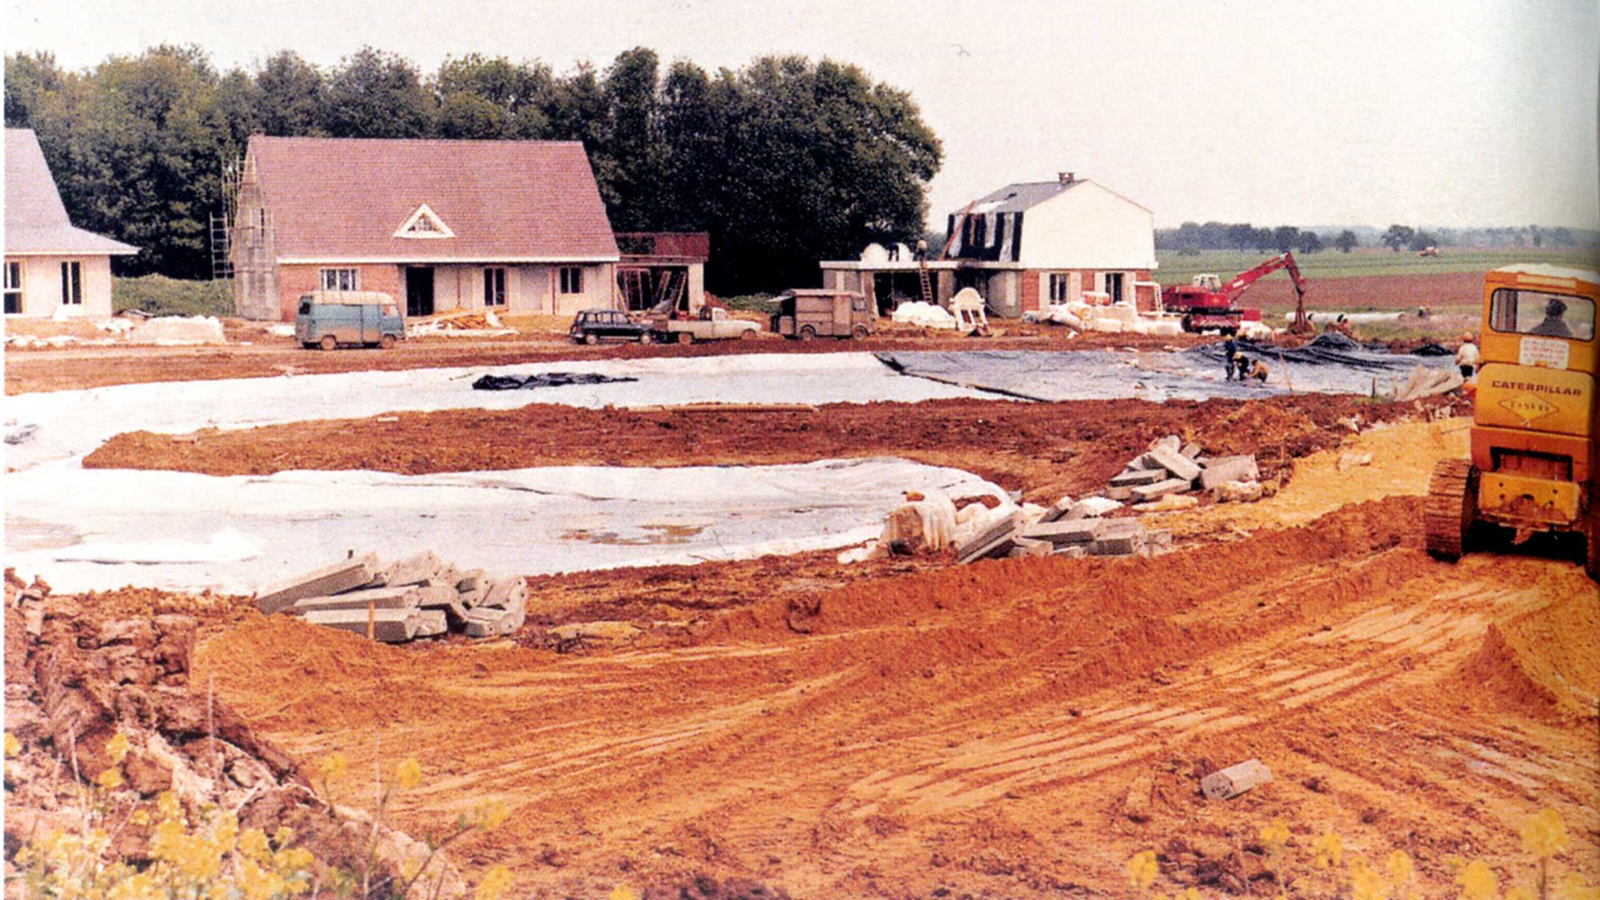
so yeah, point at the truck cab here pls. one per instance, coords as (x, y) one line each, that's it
(331, 319)
(1535, 460)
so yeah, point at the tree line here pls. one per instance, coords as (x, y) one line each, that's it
(1192, 237)
(784, 161)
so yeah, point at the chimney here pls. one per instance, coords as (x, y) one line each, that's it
(1066, 177)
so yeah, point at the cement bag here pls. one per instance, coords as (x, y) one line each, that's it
(1255, 331)
(923, 315)
(1137, 326)
(922, 525)
(1123, 312)
(1107, 326)
(1165, 328)
(1062, 315)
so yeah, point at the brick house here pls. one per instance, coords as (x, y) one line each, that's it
(514, 226)
(1021, 247)
(49, 264)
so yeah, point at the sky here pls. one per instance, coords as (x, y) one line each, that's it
(1461, 113)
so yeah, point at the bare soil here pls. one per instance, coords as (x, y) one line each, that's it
(1043, 449)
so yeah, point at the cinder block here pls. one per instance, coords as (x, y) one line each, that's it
(1092, 507)
(1190, 451)
(1121, 545)
(1120, 492)
(419, 569)
(1072, 551)
(1058, 510)
(408, 597)
(1024, 546)
(1075, 531)
(1179, 465)
(344, 575)
(1170, 443)
(432, 623)
(1224, 469)
(1161, 488)
(998, 531)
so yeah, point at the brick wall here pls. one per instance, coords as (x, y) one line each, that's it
(299, 279)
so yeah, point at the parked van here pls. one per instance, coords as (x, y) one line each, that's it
(327, 319)
(804, 314)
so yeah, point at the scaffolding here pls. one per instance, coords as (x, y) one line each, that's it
(249, 243)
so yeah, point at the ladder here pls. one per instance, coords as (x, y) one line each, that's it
(927, 285)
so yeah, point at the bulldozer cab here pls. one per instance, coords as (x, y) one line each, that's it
(1535, 461)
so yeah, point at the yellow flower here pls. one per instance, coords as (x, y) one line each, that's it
(140, 816)
(409, 773)
(13, 746)
(1328, 850)
(1519, 893)
(623, 892)
(253, 843)
(1400, 867)
(1478, 882)
(333, 766)
(1544, 835)
(282, 836)
(491, 814)
(167, 805)
(1142, 869)
(1274, 836)
(118, 747)
(1190, 894)
(410, 867)
(1574, 888)
(1366, 883)
(109, 779)
(494, 884)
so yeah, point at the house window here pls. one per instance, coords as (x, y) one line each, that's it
(340, 279)
(72, 283)
(1114, 286)
(571, 279)
(494, 287)
(1058, 287)
(13, 288)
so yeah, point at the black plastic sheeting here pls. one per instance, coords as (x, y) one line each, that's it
(1194, 374)
(542, 380)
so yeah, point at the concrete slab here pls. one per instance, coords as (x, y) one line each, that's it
(1092, 507)
(1024, 546)
(1179, 465)
(994, 533)
(1075, 531)
(1136, 477)
(419, 569)
(1235, 780)
(1190, 451)
(1224, 469)
(344, 575)
(392, 626)
(408, 597)
(1161, 488)
(1171, 443)
(1058, 510)
(432, 623)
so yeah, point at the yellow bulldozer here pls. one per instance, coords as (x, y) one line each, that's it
(1535, 464)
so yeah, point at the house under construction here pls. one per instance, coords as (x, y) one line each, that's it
(663, 269)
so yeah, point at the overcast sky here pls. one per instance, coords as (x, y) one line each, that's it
(1332, 112)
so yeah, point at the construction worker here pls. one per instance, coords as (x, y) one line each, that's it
(922, 250)
(1553, 325)
(1230, 349)
(1258, 371)
(1467, 356)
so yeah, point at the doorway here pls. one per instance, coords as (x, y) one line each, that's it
(419, 290)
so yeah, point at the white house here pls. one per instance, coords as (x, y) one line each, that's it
(1021, 247)
(49, 264)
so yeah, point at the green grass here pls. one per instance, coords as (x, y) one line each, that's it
(761, 303)
(163, 296)
(1366, 261)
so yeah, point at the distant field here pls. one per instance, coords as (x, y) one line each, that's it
(1364, 262)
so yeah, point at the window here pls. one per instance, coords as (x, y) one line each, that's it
(494, 287)
(424, 223)
(1547, 315)
(13, 288)
(340, 279)
(1058, 287)
(1114, 286)
(72, 283)
(571, 279)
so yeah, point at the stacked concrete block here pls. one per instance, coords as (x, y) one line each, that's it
(1169, 466)
(1071, 537)
(420, 596)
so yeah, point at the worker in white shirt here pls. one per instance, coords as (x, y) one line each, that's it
(1467, 356)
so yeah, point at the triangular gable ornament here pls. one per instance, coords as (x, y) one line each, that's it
(424, 223)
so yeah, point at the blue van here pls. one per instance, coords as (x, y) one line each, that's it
(327, 319)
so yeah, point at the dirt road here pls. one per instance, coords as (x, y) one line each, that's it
(940, 731)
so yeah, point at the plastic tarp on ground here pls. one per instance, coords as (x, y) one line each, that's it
(72, 423)
(1194, 374)
(98, 528)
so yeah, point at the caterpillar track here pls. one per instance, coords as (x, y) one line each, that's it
(1447, 516)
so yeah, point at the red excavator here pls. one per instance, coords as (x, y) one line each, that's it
(1207, 303)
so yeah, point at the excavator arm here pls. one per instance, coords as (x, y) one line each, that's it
(1234, 288)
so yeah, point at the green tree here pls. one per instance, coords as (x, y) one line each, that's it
(375, 94)
(1422, 240)
(1346, 241)
(30, 77)
(1308, 242)
(1397, 236)
(632, 141)
(291, 97)
(467, 87)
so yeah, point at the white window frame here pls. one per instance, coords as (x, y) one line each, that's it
(413, 228)
(71, 283)
(571, 279)
(329, 279)
(494, 287)
(1059, 284)
(13, 284)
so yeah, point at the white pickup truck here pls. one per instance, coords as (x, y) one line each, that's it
(712, 324)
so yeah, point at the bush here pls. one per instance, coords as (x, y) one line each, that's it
(761, 303)
(163, 296)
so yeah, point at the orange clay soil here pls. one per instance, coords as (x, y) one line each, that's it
(266, 356)
(978, 730)
(1045, 449)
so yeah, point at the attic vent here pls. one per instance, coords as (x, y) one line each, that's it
(424, 223)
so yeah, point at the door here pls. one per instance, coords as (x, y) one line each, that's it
(419, 290)
(841, 314)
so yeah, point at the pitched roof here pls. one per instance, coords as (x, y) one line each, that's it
(1018, 197)
(348, 199)
(36, 219)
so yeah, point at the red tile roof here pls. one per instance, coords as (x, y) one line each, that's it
(506, 201)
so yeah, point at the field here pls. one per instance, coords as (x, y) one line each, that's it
(790, 725)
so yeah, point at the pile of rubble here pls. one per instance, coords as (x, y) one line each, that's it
(1164, 477)
(1069, 528)
(413, 598)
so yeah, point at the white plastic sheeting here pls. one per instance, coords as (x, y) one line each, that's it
(99, 529)
(923, 315)
(73, 423)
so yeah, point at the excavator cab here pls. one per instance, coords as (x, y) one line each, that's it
(1207, 282)
(1535, 463)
